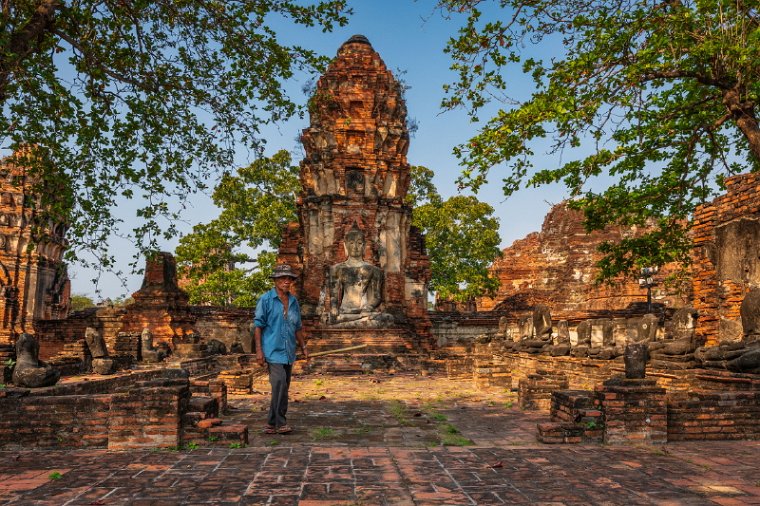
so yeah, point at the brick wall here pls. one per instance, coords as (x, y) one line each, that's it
(226, 325)
(714, 415)
(136, 410)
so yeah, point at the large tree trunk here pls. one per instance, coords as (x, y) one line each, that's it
(743, 113)
(25, 40)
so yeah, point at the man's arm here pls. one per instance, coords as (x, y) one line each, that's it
(259, 349)
(300, 338)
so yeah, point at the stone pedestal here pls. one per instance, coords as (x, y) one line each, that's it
(237, 382)
(190, 350)
(535, 391)
(387, 349)
(635, 411)
(103, 366)
(487, 373)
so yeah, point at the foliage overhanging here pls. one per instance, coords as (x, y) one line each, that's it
(654, 101)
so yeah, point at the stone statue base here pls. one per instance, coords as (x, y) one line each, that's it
(362, 320)
(36, 377)
(386, 349)
(103, 366)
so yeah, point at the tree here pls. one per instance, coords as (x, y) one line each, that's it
(655, 98)
(256, 203)
(142, 99)
(79, 302)
(461, 238)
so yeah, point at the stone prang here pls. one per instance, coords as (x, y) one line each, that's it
(361, 264)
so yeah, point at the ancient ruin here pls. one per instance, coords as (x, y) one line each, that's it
(600, 361)
(363, 268)
(556, 267)
(29, 371)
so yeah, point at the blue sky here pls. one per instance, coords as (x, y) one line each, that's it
(409, 36)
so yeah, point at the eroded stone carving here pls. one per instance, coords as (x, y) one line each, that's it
(583, 345)
(740, 356)
(147, 351)
(29, 371)
(101, 363)
(680, 341)
(541, 337)
(635, 358)
(95, 343)
(561, 340)
(603, 344)
(216, 347)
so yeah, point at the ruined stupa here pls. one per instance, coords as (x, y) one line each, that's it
(363, 268)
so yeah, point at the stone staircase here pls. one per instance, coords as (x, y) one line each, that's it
(202, 424)
(575, 418)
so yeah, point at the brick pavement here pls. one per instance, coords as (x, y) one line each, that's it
(376, 440)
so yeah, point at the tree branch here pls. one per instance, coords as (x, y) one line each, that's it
(681, 74)
(109, 72)
(743, 113)
(26, 41)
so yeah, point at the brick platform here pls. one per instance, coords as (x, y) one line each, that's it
(373, 457)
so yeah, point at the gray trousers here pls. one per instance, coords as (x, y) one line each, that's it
(279, 378)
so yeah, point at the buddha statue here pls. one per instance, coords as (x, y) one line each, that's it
(29, 371)
(356, 287)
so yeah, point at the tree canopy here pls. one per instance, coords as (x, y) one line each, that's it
(80, 302)
(143, 99)
(461, 238)
(228, 260)
(656, 100)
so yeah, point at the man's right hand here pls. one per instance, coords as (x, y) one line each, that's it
(260, 358)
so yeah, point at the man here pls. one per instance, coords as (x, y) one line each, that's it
(277, 331)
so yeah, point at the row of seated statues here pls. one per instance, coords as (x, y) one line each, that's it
(30, 372)
(672, 345)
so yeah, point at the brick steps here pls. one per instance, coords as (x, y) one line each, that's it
(202, 404)
(560, 432)
(202, 425)
(362, 363)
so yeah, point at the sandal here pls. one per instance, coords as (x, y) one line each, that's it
(285, 429)
(270, 429)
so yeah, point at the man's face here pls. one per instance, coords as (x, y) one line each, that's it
(284, 283)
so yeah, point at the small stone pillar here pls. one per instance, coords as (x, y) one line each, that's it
(635, 411)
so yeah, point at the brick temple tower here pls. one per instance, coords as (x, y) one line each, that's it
(354, 179)
(34, 283)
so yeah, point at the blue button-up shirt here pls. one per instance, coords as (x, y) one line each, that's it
(278, 334)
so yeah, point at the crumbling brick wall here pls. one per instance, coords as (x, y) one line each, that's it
(556, 267)
(726, 237)
(141, 410)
